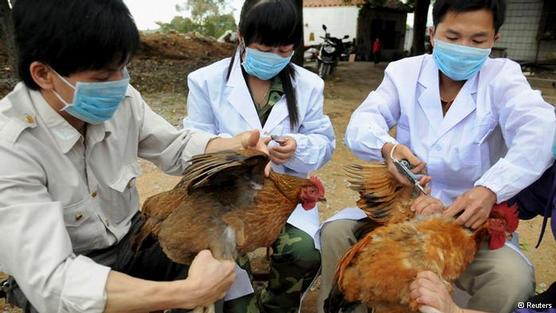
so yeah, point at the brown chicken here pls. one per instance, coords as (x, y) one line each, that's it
(224, 203)
(378, 270)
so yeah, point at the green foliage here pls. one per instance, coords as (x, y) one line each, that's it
(202, 9)
(215, 26)
(206, 18)
(179, 24)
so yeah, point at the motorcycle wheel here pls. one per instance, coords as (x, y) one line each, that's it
(320, 70)
(324, 70)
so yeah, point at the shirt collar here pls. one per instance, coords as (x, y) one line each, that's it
(65, 135)
(276, 86)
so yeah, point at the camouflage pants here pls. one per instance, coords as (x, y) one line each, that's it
(294, 264)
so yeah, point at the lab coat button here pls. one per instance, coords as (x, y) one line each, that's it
(437, 147)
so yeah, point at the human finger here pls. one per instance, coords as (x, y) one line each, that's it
(465, 216)
(279, 155)
(288, 147)
(455, 207)
(250, 139)
(418, 203)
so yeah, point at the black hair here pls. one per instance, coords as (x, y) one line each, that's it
(497, 7)
(273, 23)
(72, 35)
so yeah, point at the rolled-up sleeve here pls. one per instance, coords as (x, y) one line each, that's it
(166, 146)
(368, 127)
(315, 140)
(38, 251)
(528, 124)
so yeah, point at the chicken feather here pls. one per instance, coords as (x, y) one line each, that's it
(379, 268)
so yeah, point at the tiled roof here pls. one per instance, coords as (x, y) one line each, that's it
(331, 3)
(389, 4)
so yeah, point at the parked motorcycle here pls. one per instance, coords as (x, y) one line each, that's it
(311, 53)
(329, 53)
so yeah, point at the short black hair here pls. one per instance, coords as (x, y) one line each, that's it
(72, 35)
(271, 23)
(497, 7)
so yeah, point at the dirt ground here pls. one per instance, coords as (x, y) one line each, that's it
(162, 82)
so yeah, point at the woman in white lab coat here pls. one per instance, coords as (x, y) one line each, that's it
(479, 128)
(259, 88)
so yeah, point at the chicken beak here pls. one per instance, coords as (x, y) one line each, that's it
(323, 200)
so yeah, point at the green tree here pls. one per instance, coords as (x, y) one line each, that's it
(208, 17)
(215, 26)
(202, 9)
(179, 24)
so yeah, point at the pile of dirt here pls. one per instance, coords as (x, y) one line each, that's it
(177, 46)
(164, 60)
(161, 64)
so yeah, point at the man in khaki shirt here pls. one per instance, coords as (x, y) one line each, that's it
(70, 136)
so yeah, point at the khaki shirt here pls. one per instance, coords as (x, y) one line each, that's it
(62, 195)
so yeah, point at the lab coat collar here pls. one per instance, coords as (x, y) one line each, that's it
(429, 100)
(240, 98)
(463, 105)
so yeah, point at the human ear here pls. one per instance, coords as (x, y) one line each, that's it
(431, 31)
(42, 75)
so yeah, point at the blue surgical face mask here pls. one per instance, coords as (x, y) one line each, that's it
(95, 102)
(457, 61)
(264, 65)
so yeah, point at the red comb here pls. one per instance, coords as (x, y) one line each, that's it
(508, 214)
(503, 220)
(315, 180)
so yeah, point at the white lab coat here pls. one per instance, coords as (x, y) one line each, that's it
(226, 108)
(496, 133)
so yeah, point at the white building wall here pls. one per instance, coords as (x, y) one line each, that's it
(339, 20)
(519, 32)
(408, 41)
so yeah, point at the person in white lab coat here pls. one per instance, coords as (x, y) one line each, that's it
(71, 133)
(260, 88)
(477, 127)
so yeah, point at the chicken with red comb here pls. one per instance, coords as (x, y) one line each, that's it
(502, 222)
